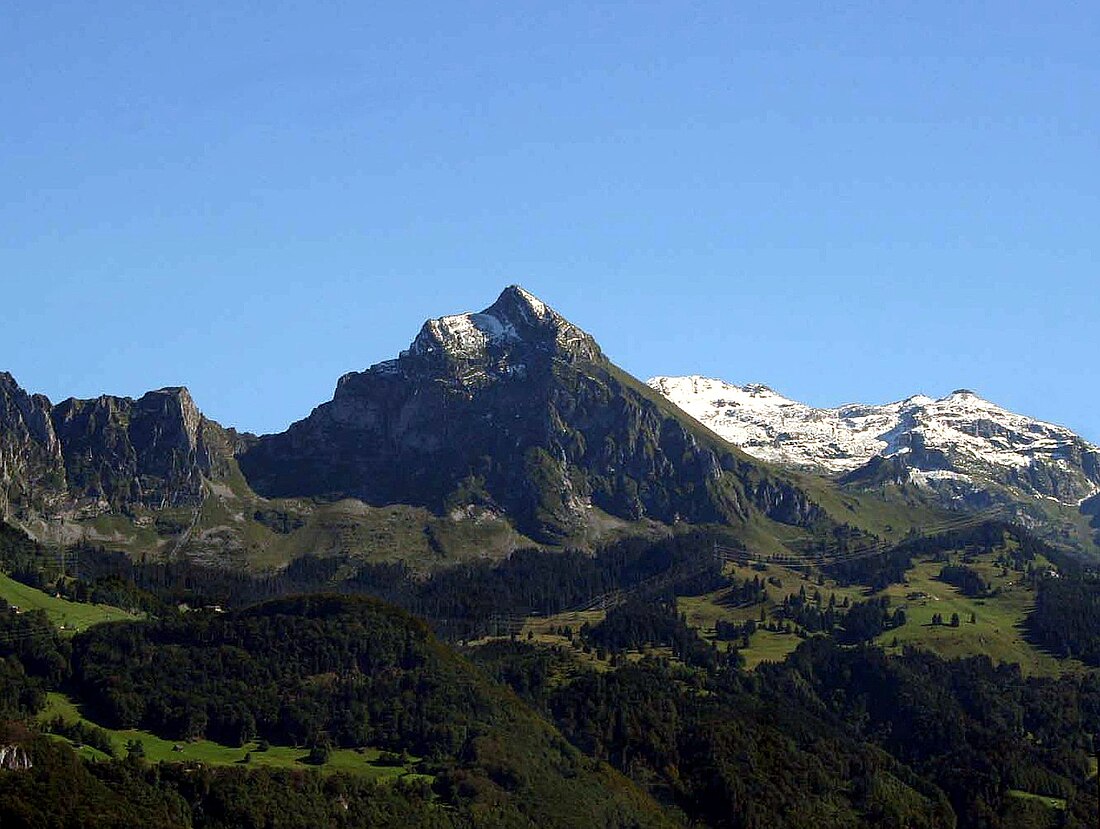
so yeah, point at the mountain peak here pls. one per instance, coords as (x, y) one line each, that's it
(516, 411)
(918, 400)
(967, 400)
(515, 301)
(516, 317)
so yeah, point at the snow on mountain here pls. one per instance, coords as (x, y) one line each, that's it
(518, 317)
(958, 438)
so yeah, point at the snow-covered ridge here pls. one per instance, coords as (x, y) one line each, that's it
(957, 437)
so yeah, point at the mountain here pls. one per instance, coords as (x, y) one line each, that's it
(105, 454)
(961, 450)
(135, 474)
(154, 477)
(493, 431)
(32, 468)
(515, 411)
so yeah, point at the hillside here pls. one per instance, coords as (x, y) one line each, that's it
(349, 673)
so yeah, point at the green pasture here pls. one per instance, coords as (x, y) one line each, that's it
(69, 616)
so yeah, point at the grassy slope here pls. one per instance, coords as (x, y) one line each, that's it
(70, 616)
(224, 531)
(890, 519)
(1063, 525)
(1070, 526)
(997, 632)
(362, 762)
(766, 646)
(1056, 803)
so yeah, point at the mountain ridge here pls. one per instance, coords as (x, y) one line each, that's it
(106, 452)
(961, 450)
(494, 430)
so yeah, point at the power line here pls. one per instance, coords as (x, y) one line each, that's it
(792, 561)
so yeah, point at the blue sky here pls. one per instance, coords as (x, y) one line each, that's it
(856, 203)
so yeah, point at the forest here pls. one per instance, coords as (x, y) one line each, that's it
(840, 733)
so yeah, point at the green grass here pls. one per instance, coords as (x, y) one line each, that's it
(703, 612)
(362, 761)
(765, 646)
(119, 532)
(1051, 802)
(541, 632)
(883, 514)
(998, 631)
(69, 616)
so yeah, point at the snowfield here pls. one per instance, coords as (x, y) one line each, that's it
(957, 438)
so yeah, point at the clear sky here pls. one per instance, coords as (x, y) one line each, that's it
(855, 203)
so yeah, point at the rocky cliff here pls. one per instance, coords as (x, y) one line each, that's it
(108, 454)
(32, 468)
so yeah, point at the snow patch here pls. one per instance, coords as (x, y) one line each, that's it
(464, 335)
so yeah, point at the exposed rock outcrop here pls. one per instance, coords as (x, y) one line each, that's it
(105, 454)
(14, 758)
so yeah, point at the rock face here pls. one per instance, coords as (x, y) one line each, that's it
(517, 411)
(106, 454)
(32, 469)
(14, 758)
(961, 448)
(146, 451)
